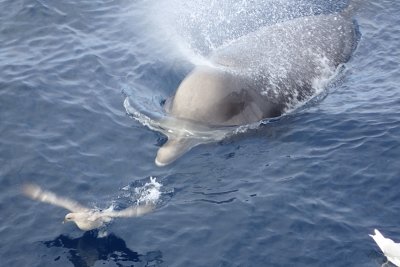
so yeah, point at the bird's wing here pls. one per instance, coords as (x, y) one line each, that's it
(388, 247)
(133, 211)
(35, 192)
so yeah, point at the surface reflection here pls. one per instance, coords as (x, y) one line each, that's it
(88, 250)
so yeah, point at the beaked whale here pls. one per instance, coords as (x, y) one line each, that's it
(260, 75)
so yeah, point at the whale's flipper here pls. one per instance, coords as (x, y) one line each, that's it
(174, 148)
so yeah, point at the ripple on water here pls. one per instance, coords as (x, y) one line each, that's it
(306, 189)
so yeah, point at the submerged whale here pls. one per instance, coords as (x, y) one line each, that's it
(260, 75)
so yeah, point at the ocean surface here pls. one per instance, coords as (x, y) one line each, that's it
(305, 189)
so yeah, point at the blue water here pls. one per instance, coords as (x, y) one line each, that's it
(305, 190)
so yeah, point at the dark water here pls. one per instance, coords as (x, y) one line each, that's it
(305, 190)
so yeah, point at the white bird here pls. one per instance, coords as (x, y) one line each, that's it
(85, 218)
(388, 247)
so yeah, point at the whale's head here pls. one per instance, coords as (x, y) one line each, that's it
(208, 98)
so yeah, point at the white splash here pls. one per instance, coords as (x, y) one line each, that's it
(148, 193)
(198, 27)
(327, 74)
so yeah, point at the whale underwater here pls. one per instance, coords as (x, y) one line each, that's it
(258, 76)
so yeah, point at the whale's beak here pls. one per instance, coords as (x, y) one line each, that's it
(172, 150)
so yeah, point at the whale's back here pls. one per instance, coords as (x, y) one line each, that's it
(263, 73)
(292, 48)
